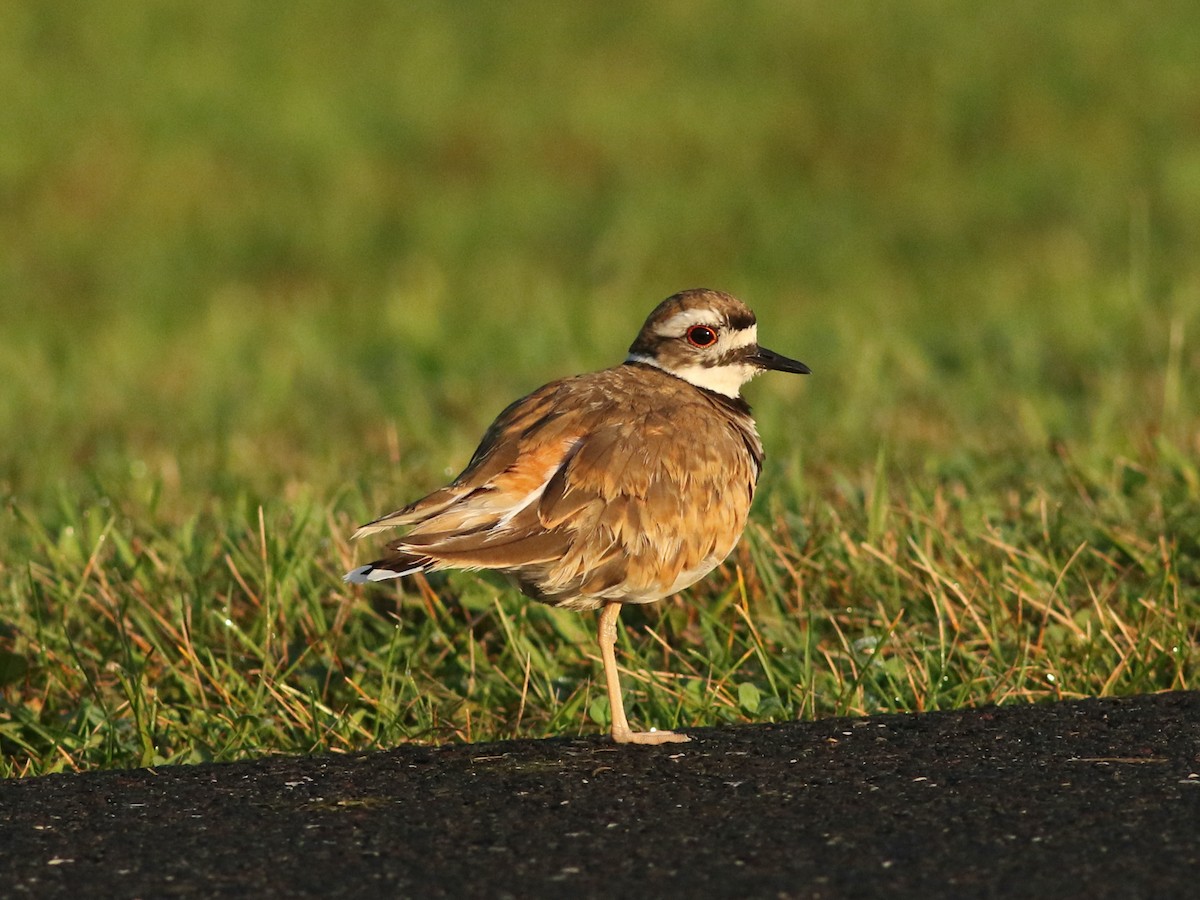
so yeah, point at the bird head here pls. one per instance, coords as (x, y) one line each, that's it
(709, 339)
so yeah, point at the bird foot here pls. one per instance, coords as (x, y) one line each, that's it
(626, 736)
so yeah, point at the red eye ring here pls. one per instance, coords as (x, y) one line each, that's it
(701, 336)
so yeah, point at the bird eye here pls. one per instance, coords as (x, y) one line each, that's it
(701, 336)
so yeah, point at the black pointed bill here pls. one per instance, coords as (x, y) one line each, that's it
(776, 362)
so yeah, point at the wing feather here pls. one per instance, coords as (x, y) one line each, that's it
(625, 484)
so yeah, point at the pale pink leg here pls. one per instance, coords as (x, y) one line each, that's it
(620, 725)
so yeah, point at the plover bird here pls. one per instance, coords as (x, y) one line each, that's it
(619, 486)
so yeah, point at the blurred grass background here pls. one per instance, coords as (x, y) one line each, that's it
(267, 270)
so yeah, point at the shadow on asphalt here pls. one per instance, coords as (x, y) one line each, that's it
(1096, 798)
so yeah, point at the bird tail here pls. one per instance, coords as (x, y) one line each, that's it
(395, 566)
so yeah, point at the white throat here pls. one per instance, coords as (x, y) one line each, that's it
(726, 380)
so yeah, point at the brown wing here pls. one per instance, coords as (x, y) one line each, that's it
(496, 454)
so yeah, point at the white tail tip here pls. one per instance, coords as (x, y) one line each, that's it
(368, 574)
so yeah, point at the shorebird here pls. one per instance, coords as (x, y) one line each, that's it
(619, 486)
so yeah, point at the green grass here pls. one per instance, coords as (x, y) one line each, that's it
(270, 269)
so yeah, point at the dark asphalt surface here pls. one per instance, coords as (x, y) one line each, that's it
(1098, 798)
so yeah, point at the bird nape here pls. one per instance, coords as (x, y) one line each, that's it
(620, 486)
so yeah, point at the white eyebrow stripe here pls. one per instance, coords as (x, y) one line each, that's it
(733, 340)
(682, 321)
